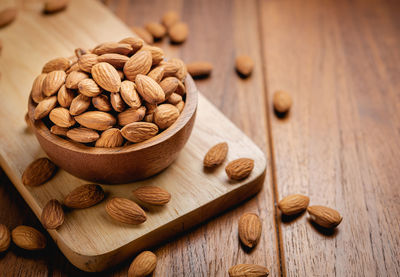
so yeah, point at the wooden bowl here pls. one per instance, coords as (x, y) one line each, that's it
(121, 164)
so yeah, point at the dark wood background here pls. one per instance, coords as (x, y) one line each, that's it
(340, 60)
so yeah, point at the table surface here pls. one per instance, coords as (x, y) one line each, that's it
(340, 61)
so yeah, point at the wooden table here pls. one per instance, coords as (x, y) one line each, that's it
(340, 60)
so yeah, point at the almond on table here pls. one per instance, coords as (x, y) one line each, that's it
(216, 155)
(5, 238)
(250, 270)
(52, 215)
(324, 216)
(282, 102)
(249, 229)
(38, 172)
(28, 238)
(244, 65)
(143, 265)
(199, 69)
(293, 204)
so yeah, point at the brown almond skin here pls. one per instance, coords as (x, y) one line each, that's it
(53, 81)
(134, 42)
(174, 99)
(102, 103)
(182, 68)
(169, 18)
(53, 6)
(216, 155)
(65, 96)
(87, 61)
(165, 115)
(106, 76)
(180, 106)
(157, 54)
(131, 115)
(143, 265)
(239, 169)
(89, 87)
(324, 216)
(116, 60)
(56, 64)
(5, 238)
(139, 131)
(84, 196)
(249, 229)
(248, 270)
(28, 238)
(79, 104)
(74, 78)
(37, 88)
(282, 102)
(178, 32)
(169, 86)
(129, 94)
(157, 73)
(52, 215)
(199, 69)
(96, 120)
(143, 34)
(61, 117)
(38, 172)
(139, 63)
(83, 135)
(60, 131)
(44, 107)
(149, 89)
(156, 30)
(125, 211)
(244, 65)
(293, 204)
(110, 138)
(7, 16)
(113, 48)
(152, 195)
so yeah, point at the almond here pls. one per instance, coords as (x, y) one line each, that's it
(87, 61)
(106, 76)
(249, 229)
(113, 47)
(248, 270)
(116, 60)
(83, 135)
(149, 89)
(239, 169)
(125, 211)
(180, 106)
(199, 68)
(74, 67)
(152, 195)
(37, 88)
(324, 216)
(84, 196)
(150, 108)
(178, 32)
(135, 43)
(157, 54)
(65, 96)
(116, 102)
(131, 115)
(74, 78)
(44, 107)
(143, 265)
(79, 52)
(169, 86)
(282, 101)
(244, 65)
(170, 18)
(149, 117)
(5, 238)
(143, 34)
(96, 120)
(181, 89)
(110, 138)
(59, 131)
(56, 64)
(156, 29)
(174, 99)
(53, 81)
(7, 16)
(61, 117)
(121, 74)
(129, 94)
(170, 68)
(53, 6)
(293, 204)
(89, 88)
(139, 131)
(52, 215)
(28, 238)
(216, 155)
(157, 73)
(79, 104)
(165, 115)
(182, 68)
(139, 63)
(102, 103)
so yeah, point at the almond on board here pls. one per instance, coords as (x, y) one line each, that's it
(239, 169)
(84, 196)
(38, 172)
(216, 155)
(52, 215)
(152, 195)
(125, 211)
(53, 6)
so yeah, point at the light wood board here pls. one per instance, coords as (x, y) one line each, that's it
(89, 239)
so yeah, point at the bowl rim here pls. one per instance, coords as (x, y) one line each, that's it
(188, 112)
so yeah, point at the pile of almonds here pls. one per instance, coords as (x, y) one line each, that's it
(116, 92)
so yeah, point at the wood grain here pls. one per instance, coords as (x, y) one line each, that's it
(340, 62)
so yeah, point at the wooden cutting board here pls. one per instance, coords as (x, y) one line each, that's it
(88, 238)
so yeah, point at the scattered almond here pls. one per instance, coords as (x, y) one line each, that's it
(56, 64)
(156, 29)
(282, 101)
(28, 238)
(38, 172)
(143, 265)
(143, 34)
(5, 238)
(244, 65)
(293, 204)
(170, 18)
(152, 195)
(110, 138)
(83, 135)
(139, 63)
(52, 215)
(125, 211)
(324, 216)
(7, 16)
(178, 32)
(61, 117)
(139, 131)
(248, 270)
(249, 229)
(53, 6)
(96, 120)
(216, 155)
(165, 115)
(199, 69)
(149, 89)
(53, 81)
(84, 196)
(106, 76)
(239, 169)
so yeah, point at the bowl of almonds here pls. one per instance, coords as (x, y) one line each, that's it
(116, 113)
